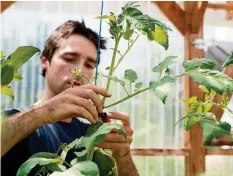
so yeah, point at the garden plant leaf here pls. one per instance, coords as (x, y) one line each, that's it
(215, 80)
(213, 129)
(162, 88)
(229, 61)
(131, 75)
(199, 63)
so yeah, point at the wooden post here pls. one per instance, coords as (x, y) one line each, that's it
(189, 23)
(195, 163)
(5, 5)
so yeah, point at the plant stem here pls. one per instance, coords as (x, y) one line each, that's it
(126, 98)
(229, 111)
(177, 76)
(112, 64)
(125, 89)
(130, 84)
(87, 78)
(122, 57)
(160, 74)
(67, 163)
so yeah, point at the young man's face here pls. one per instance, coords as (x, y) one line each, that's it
(74, 52)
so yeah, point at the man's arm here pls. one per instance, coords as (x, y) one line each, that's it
(18, 126)
(125, 166)
(120, 146)
(73, 102)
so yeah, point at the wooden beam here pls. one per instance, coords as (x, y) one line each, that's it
(198, 16)
(194, 14)
(219, 151)
(5, 5)
(195, 163)
(229, 15)
(160, 152)
(173, 12)
(177, 152)
(220, 6)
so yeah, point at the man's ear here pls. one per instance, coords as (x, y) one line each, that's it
(44, 62)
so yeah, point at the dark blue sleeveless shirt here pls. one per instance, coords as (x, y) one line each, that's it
(47, 138)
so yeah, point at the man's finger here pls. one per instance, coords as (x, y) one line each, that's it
(87, 105)
(113, 137)
(97, 89)
(113, 145)
(119, 116)
(82, 112)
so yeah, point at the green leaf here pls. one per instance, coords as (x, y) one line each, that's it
(229, 61)
(85, 168)
(2, 54)
(109, 17)
(213, 129)
(21, 55)
(195, 106)
(55, 167)
(225, 100)
(191, 115)
(138, 85)
(26, 167)
(131, 75)
(45, 155)
(162, 65)
(208, 93)
(207, 106)
(107, 68)
(95, 134)
(204, 89)
(105, 162)
(81, 155)
(17, 76)
(199, 63)
(189, 122)
(130, 4)
(100, 129)
(215, 80)
(128, 33)
(145, 24)
(7, 91)
(191, 100)
(7, 74)
(161, 37)
(161, 89)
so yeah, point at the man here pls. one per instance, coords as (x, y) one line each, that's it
(47, 124)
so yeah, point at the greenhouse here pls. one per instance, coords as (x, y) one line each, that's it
(117, 88)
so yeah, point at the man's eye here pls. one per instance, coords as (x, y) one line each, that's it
(89, 66)
(68, 59)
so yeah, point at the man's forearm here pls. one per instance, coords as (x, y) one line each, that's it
(18, 126)
(126, 167)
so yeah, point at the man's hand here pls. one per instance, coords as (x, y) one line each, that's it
(115, 141)
(75, 102)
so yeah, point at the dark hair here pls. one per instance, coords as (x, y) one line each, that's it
(63, 32)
